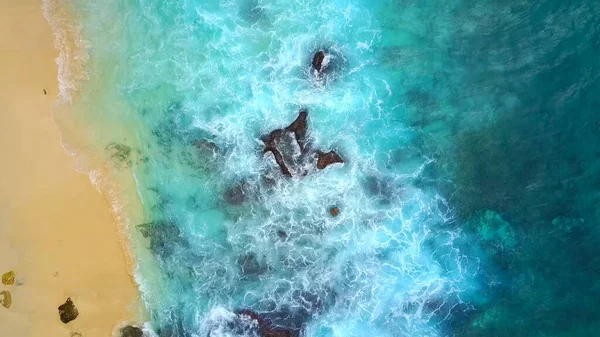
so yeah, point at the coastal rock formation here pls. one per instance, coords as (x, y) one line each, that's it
(326, 159)
(8, 278)
(67, 311)
(131, 331)
(288, 145)
(291, 149)
(5, 299)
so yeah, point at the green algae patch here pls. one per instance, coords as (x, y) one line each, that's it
(8, 278)
(5, 299)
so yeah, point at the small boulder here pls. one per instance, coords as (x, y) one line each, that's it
(131, 331)
(335, 211)
(326, 159)
(67, 311)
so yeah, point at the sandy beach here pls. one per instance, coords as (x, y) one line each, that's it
(56, 230)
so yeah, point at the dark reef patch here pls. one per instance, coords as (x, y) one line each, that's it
(165, 237)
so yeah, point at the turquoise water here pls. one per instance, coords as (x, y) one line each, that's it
(467, 197)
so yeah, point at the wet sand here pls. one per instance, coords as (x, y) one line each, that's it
(56, 230)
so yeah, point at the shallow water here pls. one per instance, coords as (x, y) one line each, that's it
(469, 133)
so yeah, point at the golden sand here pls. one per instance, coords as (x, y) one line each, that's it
(56, 230)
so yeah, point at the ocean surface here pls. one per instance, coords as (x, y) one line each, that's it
(467, 202)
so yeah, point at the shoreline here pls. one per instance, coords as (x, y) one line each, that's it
(60, 235)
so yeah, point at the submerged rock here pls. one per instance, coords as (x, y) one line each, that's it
(266, 328)
(67, 311)
(131, 331)
(238, 194)
(165, 237)
(282, 234)
(119, 153)
(326, 159)
(206, 146)
(5, 299)
(250, 265)
(8, 278)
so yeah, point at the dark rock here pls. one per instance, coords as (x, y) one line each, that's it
(291, 150)
(299, 128)
(326, 159)
(317, 61)
(131, 331)
(67, 311)
(280, 143)
(335, 211)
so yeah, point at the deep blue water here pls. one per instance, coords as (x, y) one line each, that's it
(467, 200)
